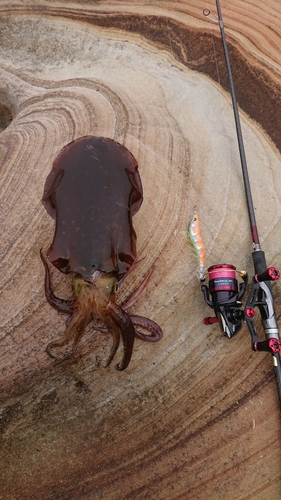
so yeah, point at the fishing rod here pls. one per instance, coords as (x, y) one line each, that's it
(223, 286)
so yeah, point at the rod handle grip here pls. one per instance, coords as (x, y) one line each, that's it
(259, 261)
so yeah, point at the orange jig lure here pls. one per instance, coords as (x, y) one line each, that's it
(194, 236)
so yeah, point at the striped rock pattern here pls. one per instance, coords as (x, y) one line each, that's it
(196, 415)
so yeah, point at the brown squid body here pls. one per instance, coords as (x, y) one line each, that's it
(92, 192)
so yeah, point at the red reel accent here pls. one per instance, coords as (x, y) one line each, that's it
(274, 345)
(210, 320)
(250, 312)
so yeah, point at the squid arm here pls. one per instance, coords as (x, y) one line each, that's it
(61, 305)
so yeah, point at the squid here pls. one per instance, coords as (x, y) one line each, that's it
(92, 192)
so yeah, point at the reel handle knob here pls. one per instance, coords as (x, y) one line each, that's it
(210, 320)
(271, 274)
(270, 345)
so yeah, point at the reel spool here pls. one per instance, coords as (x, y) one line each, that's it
(225, 297)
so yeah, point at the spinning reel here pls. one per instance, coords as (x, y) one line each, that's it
(226, 299)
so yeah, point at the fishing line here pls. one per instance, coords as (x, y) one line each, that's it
(208, 13)
(249, 199)
(169, 36)
(216, 61)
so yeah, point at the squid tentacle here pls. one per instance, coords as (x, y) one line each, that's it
(75, 328)
(149, 325)
(138, 292)
(115, 345)
(131, 269)
(124, 324)
(78, 335)
(146, 323)
(61, 305)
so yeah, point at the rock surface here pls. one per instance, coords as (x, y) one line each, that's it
(196, 415)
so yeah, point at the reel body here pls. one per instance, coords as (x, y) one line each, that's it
(225, 298)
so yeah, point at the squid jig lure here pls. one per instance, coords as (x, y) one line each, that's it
(194, 236)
